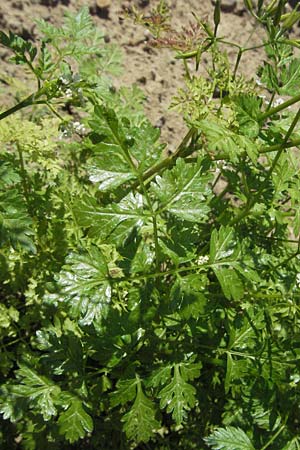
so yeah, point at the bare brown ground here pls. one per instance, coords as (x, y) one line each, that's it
(154, 70)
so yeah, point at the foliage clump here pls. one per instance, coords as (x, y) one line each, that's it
(151, 301)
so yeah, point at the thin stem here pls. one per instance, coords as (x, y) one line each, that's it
(168, 161)
(278, 432)
(256, 197)
(23, 174)
(238, 59)
(288, 259)
(54, 111)
(270, 112)
(187, 70)
(29, 101)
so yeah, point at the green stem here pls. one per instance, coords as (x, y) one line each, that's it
(23, 172)
(278, 432)
(288, 259)
(238, 59)
(169, 161)
(271, 111)
(256, 197)
(29, 101)
(187, 70)
(54, 111)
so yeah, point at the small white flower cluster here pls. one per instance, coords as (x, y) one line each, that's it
(298, 279)
(69, 93)
(72, 127)
(202, 259)
(64, 80)
(79, 127)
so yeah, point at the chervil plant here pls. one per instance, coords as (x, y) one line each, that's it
(152, 301)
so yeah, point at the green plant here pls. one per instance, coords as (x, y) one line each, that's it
(144, 305)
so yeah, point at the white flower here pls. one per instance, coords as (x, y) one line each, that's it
(298, 279)
(278, 102)
(79, 127)
(258, 82)
(202, 260)
(69, 93)
(64, 80)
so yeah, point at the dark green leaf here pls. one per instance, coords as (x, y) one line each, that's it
(139, 421)
(178, 396)
(75, 423)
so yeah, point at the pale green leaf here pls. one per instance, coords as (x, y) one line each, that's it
(219, 139)
(229, 369)
(41, 392)
(84, 286)
(290, 78)
(247, 113)
(230, 282)
(184, 191)
(229, 438)
(115, 222)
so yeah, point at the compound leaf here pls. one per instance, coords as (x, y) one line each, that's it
(15, 222)
(219, 139)
(247, 113)
(290, 78)
(224, 251)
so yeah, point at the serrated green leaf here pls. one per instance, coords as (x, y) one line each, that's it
(184, 191)
(178, 396)
(125, 392)
(100, 167)
(219, 139)
(222, 244)
(224, 251)
(187, 295)
(140, 422)
(40, 391)
(229, 368)
(8, 316)
(75, 423)
(135, 146)
(290, 78)
(115, 222)
(230, 282)
(247, 112)
(84, 286)
(15, 222)
(160, 376)
(229, 438)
